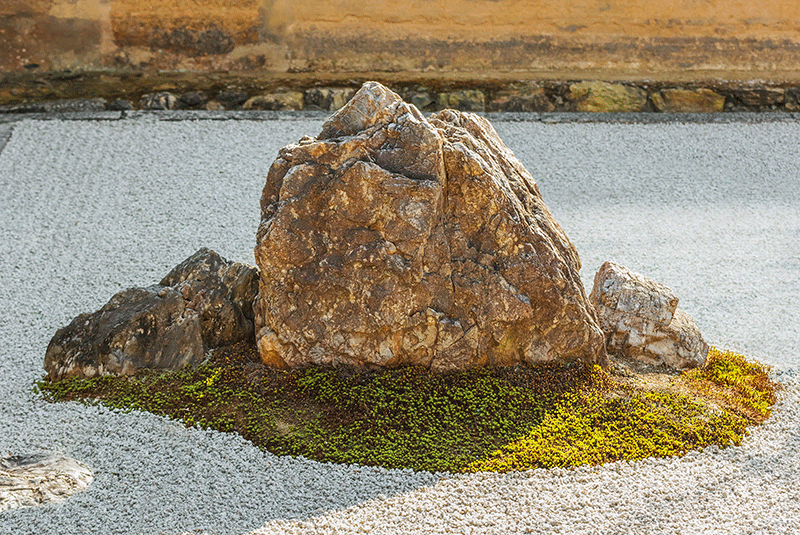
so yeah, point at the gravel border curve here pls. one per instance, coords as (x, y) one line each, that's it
(91, 207)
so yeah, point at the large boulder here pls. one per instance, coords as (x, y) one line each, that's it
(205, 302)
(642, 320)
(390, 239)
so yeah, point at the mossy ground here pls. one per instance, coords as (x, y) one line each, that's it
(486, 419)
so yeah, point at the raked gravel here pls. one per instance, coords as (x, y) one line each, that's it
(91, 207)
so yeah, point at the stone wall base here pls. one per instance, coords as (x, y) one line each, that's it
(26, 92)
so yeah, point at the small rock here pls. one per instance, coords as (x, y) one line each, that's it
(522, 100)
(232, 100)
(602, 97)
(641, 320)
(120, 105)
(792, 98)
(213, 105)
(421, 98)
(193, 100)
(158, 101)
(204, 302)
(688, 101)
(34, 480)
(463, 100)
(328, 98)
(759, 98)
(290, 100)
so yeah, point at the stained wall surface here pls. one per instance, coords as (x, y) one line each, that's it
(736, 39)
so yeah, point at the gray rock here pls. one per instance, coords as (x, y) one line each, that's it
(203, 303)
(58, 106)
(232, 99)
(641, 320)
(221, 291)
(158, 101)
(138, 328)
(193, 99)
(120, 105)
(75, 105)
(328, 98)
(33, 480)
(421, 98)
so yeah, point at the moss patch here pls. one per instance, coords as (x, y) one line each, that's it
(486, 419)
(739, 385)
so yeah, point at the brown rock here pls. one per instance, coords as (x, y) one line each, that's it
(522, 100)
(760, 98)
(688, 101)
(391, 239)
(327, 98)
(641, 320)
(603, 97)
(158, 101)
(290, 100)
(792, 98)
(205, 302)
(463, 100)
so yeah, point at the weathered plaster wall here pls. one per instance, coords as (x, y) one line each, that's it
(555, 38)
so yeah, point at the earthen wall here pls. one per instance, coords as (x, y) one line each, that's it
(685, 39)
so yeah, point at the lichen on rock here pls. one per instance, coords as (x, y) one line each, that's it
(642, 320)
(393, 239)
(203, 303)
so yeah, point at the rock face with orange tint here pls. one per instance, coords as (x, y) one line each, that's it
(392, 239)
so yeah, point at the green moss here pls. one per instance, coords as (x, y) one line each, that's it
(602, 424)
(741, 385)
(486, 419)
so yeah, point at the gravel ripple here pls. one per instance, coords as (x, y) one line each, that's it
(92, 207)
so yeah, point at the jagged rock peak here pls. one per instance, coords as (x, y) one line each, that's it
(393, 239)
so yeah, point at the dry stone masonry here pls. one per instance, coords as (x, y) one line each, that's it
(393, 239)
(641, 319)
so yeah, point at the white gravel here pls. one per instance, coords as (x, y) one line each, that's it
(91, 207)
